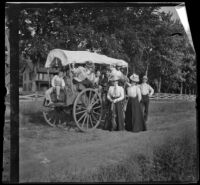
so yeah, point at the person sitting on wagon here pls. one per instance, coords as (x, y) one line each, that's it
(57, 83)
(115, 71)
(85, 75)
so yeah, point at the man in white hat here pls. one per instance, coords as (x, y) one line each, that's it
(146, 91)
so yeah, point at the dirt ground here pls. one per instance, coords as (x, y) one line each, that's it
(48, 153)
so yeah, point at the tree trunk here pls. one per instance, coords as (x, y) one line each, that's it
(34, 87)
(156, 85)
(146, 73)
(181, 89)
(159, 84)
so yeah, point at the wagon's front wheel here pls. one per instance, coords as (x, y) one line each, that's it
(87, 110)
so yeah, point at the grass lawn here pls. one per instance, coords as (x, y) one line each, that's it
(165, 152)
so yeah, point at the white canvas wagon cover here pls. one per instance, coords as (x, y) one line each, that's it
(68, 57)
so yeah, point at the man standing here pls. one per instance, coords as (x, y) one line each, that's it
(146, 91)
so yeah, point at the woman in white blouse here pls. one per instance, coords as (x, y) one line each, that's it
(134, 120)
(115, 95)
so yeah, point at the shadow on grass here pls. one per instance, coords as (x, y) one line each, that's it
(37, 118)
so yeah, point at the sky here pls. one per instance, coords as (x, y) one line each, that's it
(170, 9)
(183, 19)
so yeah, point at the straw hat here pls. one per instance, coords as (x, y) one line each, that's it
(145, 77)
(134, 78)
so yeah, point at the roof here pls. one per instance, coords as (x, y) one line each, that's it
(68, 57)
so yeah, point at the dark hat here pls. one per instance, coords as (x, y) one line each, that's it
(89, 64)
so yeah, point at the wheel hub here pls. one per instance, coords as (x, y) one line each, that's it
(89, 109)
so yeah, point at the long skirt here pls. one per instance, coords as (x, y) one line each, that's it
(119, 119)
(134, 120)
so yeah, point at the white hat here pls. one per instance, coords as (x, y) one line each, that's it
(134, 78)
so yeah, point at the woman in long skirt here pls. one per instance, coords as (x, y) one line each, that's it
(134, 120)
(115, 96)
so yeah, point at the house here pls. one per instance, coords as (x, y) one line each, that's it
(36, 77)
(43, 78)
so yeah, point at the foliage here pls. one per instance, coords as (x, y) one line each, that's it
(139, 35)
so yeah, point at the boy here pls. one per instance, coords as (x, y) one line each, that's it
(57, 84)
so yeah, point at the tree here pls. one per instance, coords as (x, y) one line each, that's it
(139, 35)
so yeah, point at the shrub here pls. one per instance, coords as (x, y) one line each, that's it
(175, 160)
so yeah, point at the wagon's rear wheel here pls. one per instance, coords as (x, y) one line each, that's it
(55, 115)
(87, 110)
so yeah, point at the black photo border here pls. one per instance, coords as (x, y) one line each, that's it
(13, 13)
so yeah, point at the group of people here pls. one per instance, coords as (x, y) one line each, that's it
(81, 77)
(136, 111)
(133, 117)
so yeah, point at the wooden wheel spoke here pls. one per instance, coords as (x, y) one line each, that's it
(80, 112)
(88, 117)
(84, 120)
(96, 113)
(95, 119)
(82, 116)
(97, 107)
(81, 107)
(91, 121)
(86, 99)
(93, 98)
(95, 102)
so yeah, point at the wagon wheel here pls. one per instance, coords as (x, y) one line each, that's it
(55, 115)
(87, 110)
